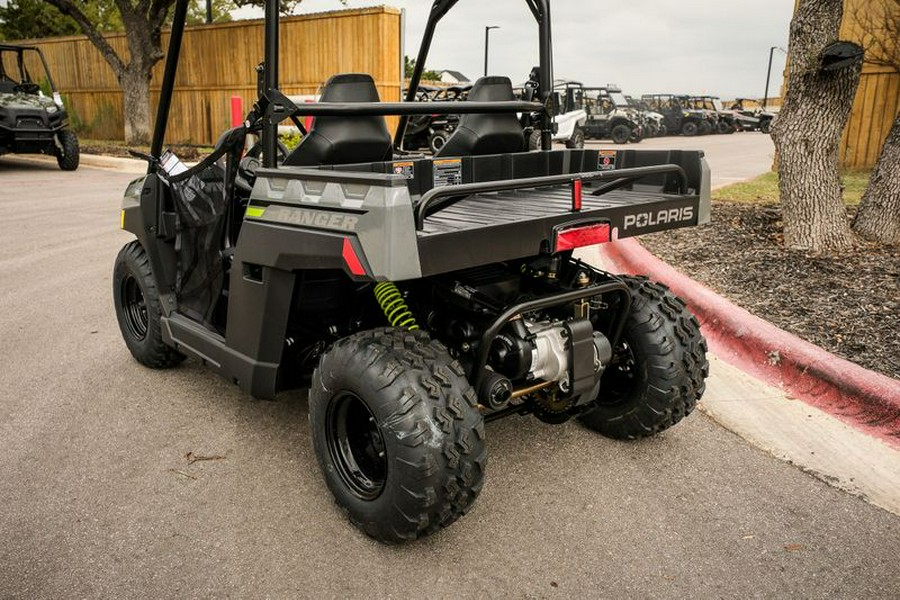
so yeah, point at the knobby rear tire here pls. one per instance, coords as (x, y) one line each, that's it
(659, 370)
(428, 428)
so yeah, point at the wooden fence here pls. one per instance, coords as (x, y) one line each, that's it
(877, 101)
(217, 61)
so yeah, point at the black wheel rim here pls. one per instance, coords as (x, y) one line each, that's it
(356, 446)
(134, 308)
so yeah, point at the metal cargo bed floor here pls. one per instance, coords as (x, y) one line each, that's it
(504, 208)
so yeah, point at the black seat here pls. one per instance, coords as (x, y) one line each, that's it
(344, 140)
(486, 134)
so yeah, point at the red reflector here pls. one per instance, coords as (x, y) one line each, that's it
(578, 237)
(352, 260)
(576, 195)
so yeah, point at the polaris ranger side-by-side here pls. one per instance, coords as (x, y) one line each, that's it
(423, 295)
(30, 122)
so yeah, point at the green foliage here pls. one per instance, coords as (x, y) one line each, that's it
(31, 19)
(409, 64)
(287, 6)
(290, 140)
(221, 12)
(26, 19)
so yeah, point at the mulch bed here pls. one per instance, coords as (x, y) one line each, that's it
(185, 153)
(849, 305)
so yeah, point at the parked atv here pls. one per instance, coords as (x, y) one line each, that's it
(30, 122)
(680, 117)
(610, 116)
(711, 116)
(569, 120)
(655, 123)
(423, 297)
(730, 121)
(753, 120)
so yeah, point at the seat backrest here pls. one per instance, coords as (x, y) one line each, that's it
(486, 134)
(344, 140)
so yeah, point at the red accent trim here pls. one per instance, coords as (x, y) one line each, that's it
(308, 121)
(864, 399)
(351, 259)
(576, 195)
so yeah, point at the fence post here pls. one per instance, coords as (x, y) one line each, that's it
(237, 111)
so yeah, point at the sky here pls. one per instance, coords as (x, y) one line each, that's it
(717, 47)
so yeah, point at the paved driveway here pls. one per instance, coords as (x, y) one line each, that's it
(98, 498)
(734, 157)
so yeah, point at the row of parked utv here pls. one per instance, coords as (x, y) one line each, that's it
(602, 113)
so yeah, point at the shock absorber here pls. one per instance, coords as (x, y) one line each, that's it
(391, 301)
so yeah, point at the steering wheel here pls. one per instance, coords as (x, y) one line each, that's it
(27, 87)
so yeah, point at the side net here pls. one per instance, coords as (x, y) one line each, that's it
(203, 197)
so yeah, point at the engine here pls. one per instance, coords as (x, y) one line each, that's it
(552, 358)
(564, 357)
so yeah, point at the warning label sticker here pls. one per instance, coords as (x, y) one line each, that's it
(606, 160)
(447, 171)
(407, 169)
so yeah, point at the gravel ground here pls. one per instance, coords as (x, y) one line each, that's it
(849, 305)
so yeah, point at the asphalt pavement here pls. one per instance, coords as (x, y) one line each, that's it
(99, 498)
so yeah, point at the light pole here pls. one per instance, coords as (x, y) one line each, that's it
(769, 74)
(487, 33)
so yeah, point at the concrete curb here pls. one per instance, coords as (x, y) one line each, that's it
(98, 161)
(862, 398)
(113, 162)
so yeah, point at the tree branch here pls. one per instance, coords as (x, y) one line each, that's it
(880, 33)
(158, 11)
(68, 8)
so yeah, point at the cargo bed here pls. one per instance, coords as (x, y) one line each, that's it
(474, 210)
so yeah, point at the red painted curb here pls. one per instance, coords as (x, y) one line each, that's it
(862, 398)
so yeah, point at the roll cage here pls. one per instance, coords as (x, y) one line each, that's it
(23, 75)
(272, 106)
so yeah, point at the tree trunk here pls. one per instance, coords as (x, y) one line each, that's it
(808, 130)
(143, 23)
(878, 218)
(135, 84)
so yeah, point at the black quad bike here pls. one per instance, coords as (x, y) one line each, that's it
(30, 122)
(422, 296)
(679, 115)
(754, 120)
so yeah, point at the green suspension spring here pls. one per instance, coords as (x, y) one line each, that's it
(395, 309)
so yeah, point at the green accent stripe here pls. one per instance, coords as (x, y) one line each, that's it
(255, 211)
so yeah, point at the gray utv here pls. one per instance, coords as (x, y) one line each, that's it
(415, 297)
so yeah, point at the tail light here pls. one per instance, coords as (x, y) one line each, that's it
(578, 236)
